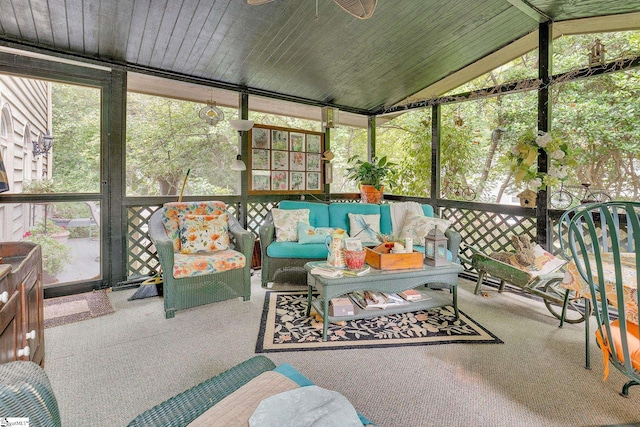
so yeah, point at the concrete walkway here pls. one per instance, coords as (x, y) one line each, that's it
(84, 263)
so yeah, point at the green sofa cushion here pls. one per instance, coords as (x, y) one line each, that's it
(296, 250)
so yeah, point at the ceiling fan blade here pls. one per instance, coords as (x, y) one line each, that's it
(361, 9)
(258, 2)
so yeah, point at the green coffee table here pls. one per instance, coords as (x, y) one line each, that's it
(382, 281)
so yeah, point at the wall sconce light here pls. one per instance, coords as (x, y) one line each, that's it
(43, 144)
(329, 117)
(240, 126)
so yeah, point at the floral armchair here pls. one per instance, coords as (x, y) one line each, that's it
(204, 254)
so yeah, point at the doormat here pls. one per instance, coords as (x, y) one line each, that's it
(74, 308)
(286, 327)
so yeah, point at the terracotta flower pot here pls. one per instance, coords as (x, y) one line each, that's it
(61, 236)
(369, 194)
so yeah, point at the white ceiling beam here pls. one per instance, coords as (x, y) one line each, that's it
(529, 10)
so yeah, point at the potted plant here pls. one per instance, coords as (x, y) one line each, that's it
(49, 228)
(371, 177)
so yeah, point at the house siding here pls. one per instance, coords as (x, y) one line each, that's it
(25, 105)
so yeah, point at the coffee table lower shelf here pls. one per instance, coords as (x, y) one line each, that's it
(360, 313)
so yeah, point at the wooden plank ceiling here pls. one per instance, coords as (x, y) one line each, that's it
(283, 49)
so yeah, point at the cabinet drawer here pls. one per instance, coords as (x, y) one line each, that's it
(8, 311)
(6, 285)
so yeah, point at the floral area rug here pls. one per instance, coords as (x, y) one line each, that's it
(74, 308)
(286, 327)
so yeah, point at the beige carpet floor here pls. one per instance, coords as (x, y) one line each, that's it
(108, 369)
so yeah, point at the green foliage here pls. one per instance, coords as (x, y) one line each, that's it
(39, 186)
(55, 255)
(76, 132)
(378, 172)
(595, 117)
(165, 138)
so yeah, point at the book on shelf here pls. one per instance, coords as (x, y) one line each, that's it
(341, 307)
(371, 300)
(413, 295)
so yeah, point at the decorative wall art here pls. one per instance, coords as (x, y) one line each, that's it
(285, 160)
(280, 160)
(279, 140)
(260, 159)
(260, 138)
(314, 144)
(261, 180)
(297, 181)
(313, 181)
(279, 180)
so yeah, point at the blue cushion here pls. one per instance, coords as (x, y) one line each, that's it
(308, 234)
(428, 210)
(318, 212)
(339, 217)
(385, 219)
(296, 250)
(295, 376)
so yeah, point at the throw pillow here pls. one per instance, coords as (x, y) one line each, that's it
(545, 262)
(286, 223)
(307, 234)
(365, 227)
(418, 226)
(204, 233)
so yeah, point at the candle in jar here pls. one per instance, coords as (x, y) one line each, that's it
(408, 244)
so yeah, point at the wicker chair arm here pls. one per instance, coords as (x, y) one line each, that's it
(454, 243)
(25, 392)
(244, 239)
(267, 233)
(162, 242)
(157, 232)
(185, 407)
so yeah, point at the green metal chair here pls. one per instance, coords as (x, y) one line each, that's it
(197, 289)
(25, 392)
(603, 241)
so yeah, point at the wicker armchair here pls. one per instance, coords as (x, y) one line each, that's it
(183, 291)
(25, 392)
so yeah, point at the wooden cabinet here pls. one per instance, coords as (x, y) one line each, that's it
(21, 303)
(9, 316)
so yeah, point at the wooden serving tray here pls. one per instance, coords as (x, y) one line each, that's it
(381, 258)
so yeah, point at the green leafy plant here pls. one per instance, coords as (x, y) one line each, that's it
(39, 186)
(377, 173)
(55, 255)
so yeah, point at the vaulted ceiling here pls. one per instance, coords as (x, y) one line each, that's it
(283, 49)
